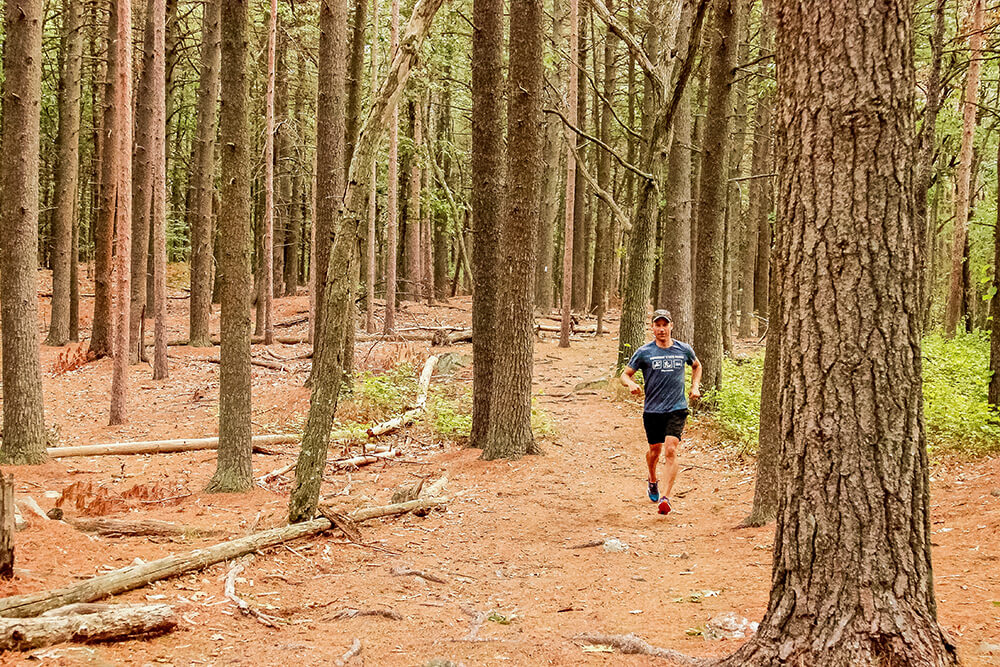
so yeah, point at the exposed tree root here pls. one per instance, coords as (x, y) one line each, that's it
(634, 645)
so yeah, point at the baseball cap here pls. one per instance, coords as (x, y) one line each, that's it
(662, 314)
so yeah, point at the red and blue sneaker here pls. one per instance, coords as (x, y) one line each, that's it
(664, 506)
(654, 491)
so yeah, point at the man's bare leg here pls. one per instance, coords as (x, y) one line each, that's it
(670, 460)
(652, 458)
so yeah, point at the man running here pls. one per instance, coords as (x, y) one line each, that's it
(664, 411)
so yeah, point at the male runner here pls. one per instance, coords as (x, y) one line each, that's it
(664, 411)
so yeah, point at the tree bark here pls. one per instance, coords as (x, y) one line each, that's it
(487, 167)
(293, 238)
(158, 223)
(392, 179)
(203, 179)
(267, 251)
(852, 581)
(509, 433)
(412, 233)
(64, 217)
(233, 471)
(7, 526)
(993, 391)
(283, 163)
(570, 103)
(708, 294)
(760, 195)
(328, 377)
(120, 141)
(963, 203)
(372, 195)
(734, 220)
(603, 244)
(579, 201)
(441, 237)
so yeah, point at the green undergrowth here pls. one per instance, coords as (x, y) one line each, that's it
(449, 414)
(957, 416)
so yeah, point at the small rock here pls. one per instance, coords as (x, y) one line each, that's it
(614, 544)
(995, 493)
(729, 626)
(56, 514)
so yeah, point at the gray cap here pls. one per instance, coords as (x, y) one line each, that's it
(662, 314)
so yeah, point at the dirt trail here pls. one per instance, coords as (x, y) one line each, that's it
(515, 590)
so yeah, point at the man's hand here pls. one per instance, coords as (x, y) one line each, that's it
(695, 392)
(634, 388)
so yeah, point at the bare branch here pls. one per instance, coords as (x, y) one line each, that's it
(633, 44)
(598, 190)
(622, 161)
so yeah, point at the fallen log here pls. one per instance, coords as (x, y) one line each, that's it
(162, 446)
(136, 576)
(21, 634)
(135, 528)
(264, 363)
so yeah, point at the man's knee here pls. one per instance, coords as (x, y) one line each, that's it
(670, 448)
(655, 449)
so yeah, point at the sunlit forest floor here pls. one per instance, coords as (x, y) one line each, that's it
(515, 590)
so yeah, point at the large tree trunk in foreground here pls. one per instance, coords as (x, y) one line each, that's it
(329, 362)
(509, 432)
(120, 141)
(202, 181)
(67, 170)
(487, 167)
(963, 175)
(852, 581)
(233, 472)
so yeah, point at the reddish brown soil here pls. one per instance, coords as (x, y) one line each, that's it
(503, 545)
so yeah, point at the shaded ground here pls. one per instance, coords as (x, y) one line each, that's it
(503, 547)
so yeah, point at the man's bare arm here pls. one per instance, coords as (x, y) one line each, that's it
(695, 379)
(626, 379)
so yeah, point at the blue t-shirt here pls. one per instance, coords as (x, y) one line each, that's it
(663, 371)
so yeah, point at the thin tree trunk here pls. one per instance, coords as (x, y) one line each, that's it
(67, 171)
(120, 141)
(326, 387)
(603, 247)
(392, 225)
(372, 195)
(293, 238)
(440, 222)
(963, 203)
(412, 234)
(852, 580)
(267, 251)
(579, 201)
(708, 294)
(758, 217)
(233, 471)
(24, 433)
(734, 219)
(203, 179)
(993, 392)
(158, 214)
(283, 162)
(572, 84)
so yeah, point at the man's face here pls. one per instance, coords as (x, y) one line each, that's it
(661, 329)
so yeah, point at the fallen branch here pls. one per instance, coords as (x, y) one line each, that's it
(407, 572)
(632, 645)
(136, 576)
(162, 446)
(264, 363)
(126, 527)
(229, 590)
(119, 623)
(263, 479)
(351, 652)
(354, 613)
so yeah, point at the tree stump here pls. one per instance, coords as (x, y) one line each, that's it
(6, 526)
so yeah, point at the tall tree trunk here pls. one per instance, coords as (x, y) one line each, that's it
(571, 102)
(708, 294)
(509, 434)
(158, 213)
(101, 331)
(203, 180)
(330, 132)
(233, 471)
(120, 141)
(579, 201)
(993, 392)
(24, 436)
(411, 238)
(67, 170)
(487, 167)
(372, 194)
(283, 162)
(441, 237)
(734, 219)
(603, 247)
(392, 225)
(963, 203)
(325, 389)
(143, 168)
(267, 251)
(758, 257)
(852, 581)
(293, 238)
(675, 249)
(355, 71)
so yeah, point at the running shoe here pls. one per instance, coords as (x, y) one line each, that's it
(654, 492)
(664, 506)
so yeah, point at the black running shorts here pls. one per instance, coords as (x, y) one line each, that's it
(661, 424)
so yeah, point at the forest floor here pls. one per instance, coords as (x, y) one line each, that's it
(514, 591)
